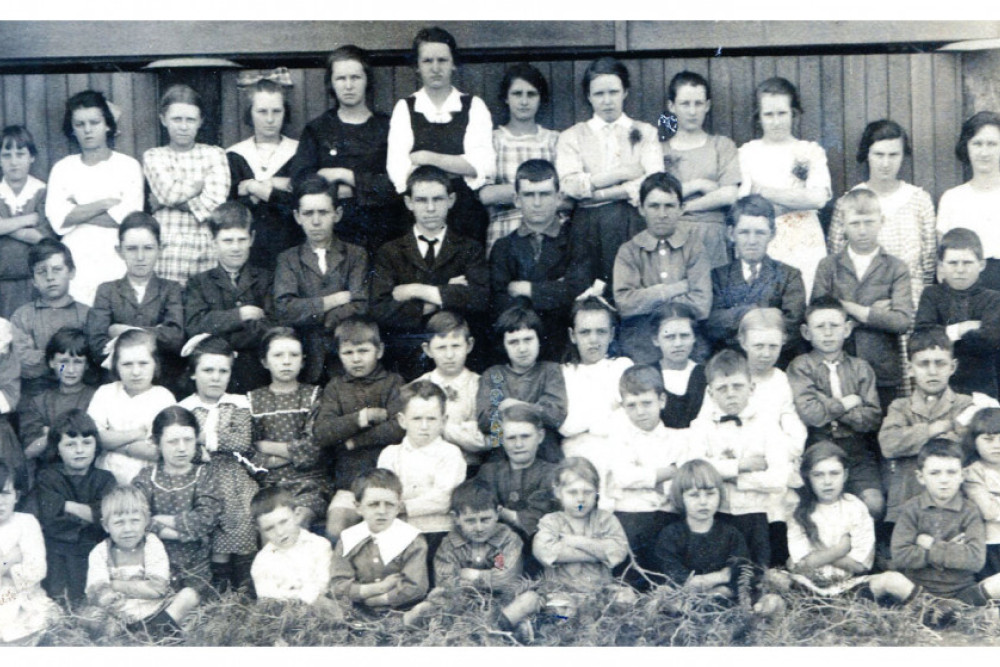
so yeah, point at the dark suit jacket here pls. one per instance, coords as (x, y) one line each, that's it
(161, 311)
(778, 285)
(400, 262)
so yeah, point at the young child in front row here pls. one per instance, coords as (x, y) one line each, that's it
(933, 411)
(128, 574)
(66, 357)
(640, 461)
(982, 480)
(124, 409)
(281, 414)
(874, 289)
(355, 416)
(836, 396)
(70, 490)
(225, 443)
(449, 342)
(969, 311)
(381, 562)
(428, 467)
(751, 452)
(672, 327)
(480, 552)
(37, 321)
(523, 379)
(25, 611)
(185, 498)
(293, 564)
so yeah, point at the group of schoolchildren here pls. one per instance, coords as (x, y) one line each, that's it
(715, 428)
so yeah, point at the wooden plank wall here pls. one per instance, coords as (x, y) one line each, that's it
(840, 94)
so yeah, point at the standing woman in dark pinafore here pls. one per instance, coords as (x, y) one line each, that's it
(348, 144)
(441, 126)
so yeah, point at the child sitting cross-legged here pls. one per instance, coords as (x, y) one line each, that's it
(837, 398)
(381, 562)
(428, 467)
(750, 450)
(480, 553)
(293, 564)
(69, 491)
(128, 574)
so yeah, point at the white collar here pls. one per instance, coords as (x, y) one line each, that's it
(390, 542)
(16, 201)
(247, 149)
(597, 123)
(407, 444)
(437, 378)
(422, 103)
(439, 236)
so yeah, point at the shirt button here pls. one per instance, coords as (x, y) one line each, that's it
(663, 275)
(662, 251)
(239, 304)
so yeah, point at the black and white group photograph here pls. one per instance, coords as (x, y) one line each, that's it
(499, 333)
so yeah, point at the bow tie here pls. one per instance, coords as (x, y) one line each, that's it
(731, 418)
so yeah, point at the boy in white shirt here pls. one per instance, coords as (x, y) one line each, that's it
(428, 467)
(749, 449)
(294, 564)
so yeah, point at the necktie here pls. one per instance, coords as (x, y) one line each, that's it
(835, 388)
(321, 260)
(536, 245)
(754, 272)
(731, 418)
(233, 277)
(429, 255)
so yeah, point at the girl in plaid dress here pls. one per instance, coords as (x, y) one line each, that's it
(225, 441)
(187, 181)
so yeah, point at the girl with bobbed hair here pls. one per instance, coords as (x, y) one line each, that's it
(601, 163)
(187, 181)
(975, 204)
(789, 172)
(908, 229)
(260, 166)
(348, 145)
(90, 193)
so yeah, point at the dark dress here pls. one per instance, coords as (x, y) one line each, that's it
(274, 227)
(468, 217)
(375, 214)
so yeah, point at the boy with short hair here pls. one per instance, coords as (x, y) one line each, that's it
(874, 289)
(382, 561)
(293, 564)
(52, 270)
(754, 280)
(425, 270)
(837, 399)
(234, 299)
(353, 418)
(448, 345)
(428, 467)
(751, 452)
(524, 379)
(934, 411)
(969, 311)
(664, 263)
(322, 282)
(640, 461)
(66, 358)
(530, 264)
(938, 543)
(521, 481)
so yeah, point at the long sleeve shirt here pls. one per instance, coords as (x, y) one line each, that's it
(946, 567)
(35, 323)
(299, 572)
(363, 557)
(821, 412)
(513, 259)
(592, 395)
(982, 487)
(681, 553)
(161, 311)
(887, 278)
(336, 420)
(462, 427)
(55, 488)
(498, 560)
(542, 385)
(645, 267)
(428, 474)
(527, 491)
(610, 547)
(847, 516)
(632, 459)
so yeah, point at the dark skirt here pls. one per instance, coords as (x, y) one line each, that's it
(596, 234)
